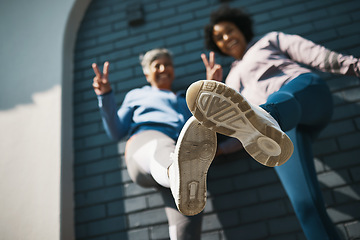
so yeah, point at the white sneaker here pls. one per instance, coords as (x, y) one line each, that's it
(226, 111)
(194, 152)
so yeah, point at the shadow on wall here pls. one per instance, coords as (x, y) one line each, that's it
(254, 204)
(20, 87)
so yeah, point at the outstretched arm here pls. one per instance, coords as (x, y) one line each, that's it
(116, 126)
(317, 56)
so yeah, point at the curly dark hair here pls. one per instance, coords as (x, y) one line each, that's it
(237, 16)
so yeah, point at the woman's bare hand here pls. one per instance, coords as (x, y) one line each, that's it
(213, 71)
(101, 82)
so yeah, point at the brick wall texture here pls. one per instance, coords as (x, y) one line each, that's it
(246, 200)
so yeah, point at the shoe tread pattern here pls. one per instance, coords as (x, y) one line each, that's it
(223, 110)
(195, 155)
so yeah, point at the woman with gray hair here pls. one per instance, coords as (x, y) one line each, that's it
(161, 131)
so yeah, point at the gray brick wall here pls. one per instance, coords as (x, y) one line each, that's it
(245, 198)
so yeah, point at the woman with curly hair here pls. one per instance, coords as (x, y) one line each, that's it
(269, 71)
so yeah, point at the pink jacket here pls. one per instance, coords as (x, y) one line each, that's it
(274, 59)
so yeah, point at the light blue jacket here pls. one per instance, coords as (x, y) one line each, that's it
(144, 108)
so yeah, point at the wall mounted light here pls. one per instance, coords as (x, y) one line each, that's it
(135, 13)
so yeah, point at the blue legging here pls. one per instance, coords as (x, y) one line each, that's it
(303, 107)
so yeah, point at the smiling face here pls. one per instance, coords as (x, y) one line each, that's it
(161, 73)
(229, 39)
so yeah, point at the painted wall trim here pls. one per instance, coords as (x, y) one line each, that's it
(67, 221)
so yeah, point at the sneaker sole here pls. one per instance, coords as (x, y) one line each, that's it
(196, 151)
(225, 111)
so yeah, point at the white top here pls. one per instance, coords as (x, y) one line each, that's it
(275, 59)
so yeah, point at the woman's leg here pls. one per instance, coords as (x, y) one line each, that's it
(147, 157)
(181, 227)
(305, 101)
(302, 108)
(299, 179)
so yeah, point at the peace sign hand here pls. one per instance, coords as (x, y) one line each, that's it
(213, 71)
(101, 83)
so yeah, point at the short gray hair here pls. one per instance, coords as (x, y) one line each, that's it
(151, 56)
